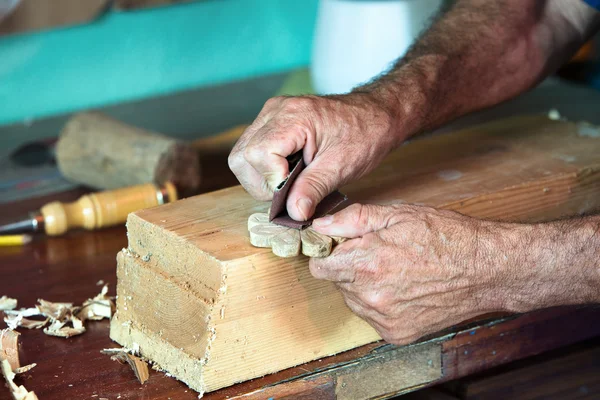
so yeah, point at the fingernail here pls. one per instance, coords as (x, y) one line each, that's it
(304, 207)
(324, 221)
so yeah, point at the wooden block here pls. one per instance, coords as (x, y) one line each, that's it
(103, 153)
(213, 310)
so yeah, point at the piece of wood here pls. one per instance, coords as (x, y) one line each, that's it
(506, 170)
(255, 219)
(262, 235)
(77, 262)
(226, 307)
(287, 242)
(103, 153)
(315, 244)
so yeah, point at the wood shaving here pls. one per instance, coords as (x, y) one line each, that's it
(139, 366)
(9, 347)
(98, 308)
(18, 392)
(59, 329)
(25, 312)
(10, 365)
(32, 323)
(62, 319)
(54, 311)
(64, 332)
(13, 321)
(7, 303)
(22, 370)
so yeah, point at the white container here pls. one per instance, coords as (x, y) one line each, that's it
(356, 40)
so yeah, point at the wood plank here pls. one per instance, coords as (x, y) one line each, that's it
(266, 313)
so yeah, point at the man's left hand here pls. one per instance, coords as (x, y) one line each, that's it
(409, 270)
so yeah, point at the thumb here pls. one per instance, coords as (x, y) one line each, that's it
(313, 184)
(357, 220)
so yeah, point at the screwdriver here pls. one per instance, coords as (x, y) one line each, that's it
(94, 210)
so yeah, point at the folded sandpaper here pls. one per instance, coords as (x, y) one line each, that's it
(278, 214)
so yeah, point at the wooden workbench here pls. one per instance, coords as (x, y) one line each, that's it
(68, 268)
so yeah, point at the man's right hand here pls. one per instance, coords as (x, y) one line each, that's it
(342, 138)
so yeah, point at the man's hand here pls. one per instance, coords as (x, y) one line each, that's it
(342, 138)
(411, 271)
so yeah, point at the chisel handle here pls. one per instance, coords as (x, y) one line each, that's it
(102, 209)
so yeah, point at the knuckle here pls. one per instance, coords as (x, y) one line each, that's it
(376, 300)
(365, 214)
(273, 101)
(254, 154)
(295, 103)
(235, 161)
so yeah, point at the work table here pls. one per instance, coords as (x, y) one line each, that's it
(68, 268)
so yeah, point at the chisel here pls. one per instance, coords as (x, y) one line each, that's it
(94, 210)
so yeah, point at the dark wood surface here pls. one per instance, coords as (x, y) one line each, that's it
(571, 373)
(68, 268)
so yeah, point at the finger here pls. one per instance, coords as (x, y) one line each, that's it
(248, 177)
(251, 179)
(358, 220)
(320, 178)
(338, 267)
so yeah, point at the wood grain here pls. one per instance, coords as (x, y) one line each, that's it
(520, 169)
(67, 269)
(104, 153)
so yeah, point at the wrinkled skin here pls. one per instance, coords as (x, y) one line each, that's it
(342, 138)
(410, 270)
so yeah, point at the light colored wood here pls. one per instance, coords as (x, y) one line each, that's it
(103, 209)
(262, 235)
(315, 244)
(286, 244)
(257, 219)
(213, 310)
(103, 153)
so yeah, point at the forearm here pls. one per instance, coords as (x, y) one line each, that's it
(543, 265)
(477, 55)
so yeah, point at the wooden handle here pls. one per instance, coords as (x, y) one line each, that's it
(102, 209)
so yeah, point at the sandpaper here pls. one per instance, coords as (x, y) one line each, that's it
(278, 214)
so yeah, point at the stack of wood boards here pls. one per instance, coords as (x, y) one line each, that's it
(212, 310)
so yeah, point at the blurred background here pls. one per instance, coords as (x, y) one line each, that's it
(186, 69)
(192, 69)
